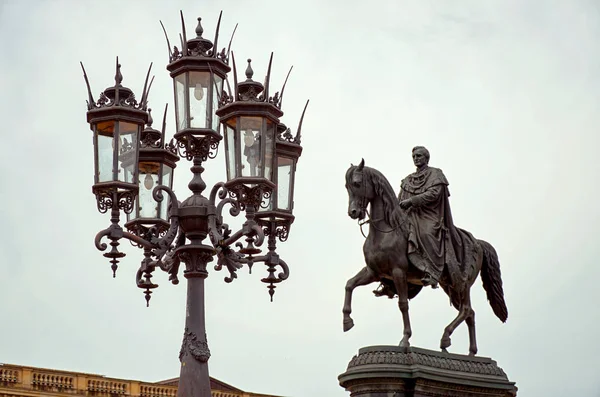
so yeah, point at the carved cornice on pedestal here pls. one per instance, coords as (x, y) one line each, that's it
(420, 372)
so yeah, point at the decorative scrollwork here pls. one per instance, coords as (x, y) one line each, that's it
(170, 263)
(126, 201)
(231, 259)
(108, 98)
(266, 199)
(104, 202)
(257, 196)
(281, 232)
(130, 101)
(103, 101)
(275, 99)
(195, 262)
(190, 146)
(162, 245)
(171, 146)
(146, 233)
(286, 136)
(225, 99)
(194, 346)
(223, 56)
(200, 50)
(250, 94)
(151, 141)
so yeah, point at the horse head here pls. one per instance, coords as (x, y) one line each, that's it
(360, 191)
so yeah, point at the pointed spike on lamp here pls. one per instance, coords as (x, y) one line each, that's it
(146, 90)
(216, 40)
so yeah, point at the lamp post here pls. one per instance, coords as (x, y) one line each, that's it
(131, 161)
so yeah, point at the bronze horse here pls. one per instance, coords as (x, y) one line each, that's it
(385, 251)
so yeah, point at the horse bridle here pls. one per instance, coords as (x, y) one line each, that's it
(358, 179)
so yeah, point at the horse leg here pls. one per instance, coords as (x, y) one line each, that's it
(464, 311)
(363, 277)
(399, 276)
(470, 320)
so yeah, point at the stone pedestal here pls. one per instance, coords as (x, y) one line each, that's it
(392, 371)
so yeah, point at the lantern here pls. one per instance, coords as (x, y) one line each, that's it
(249, 122)
(156, 163)
(198, 73)
(116, 120)
(278, 211)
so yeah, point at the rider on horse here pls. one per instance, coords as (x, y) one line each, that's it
(413, 242)
(433, 239)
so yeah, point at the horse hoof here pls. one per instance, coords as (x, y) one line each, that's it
(445, 343)
(444, 351)
(404, 343)
(472, 353)
(348, 324)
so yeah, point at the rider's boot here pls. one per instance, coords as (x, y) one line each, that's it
(427, 279)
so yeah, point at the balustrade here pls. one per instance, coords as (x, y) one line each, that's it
(17, 381)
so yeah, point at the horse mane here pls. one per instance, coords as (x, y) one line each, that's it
(393, 215)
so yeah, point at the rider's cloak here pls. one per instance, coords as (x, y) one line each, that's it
(433, 239)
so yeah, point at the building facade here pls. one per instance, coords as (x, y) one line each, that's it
(21, 381)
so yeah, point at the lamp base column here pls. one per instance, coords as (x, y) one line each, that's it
(194, 380)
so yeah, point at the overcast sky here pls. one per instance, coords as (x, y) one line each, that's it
(505, 94)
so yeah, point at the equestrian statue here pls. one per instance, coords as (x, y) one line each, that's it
(412, 243)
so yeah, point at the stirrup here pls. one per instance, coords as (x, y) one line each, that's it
(428, 280)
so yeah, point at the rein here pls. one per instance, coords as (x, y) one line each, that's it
(372, 222)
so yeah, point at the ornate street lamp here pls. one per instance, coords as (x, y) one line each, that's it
(174, 232)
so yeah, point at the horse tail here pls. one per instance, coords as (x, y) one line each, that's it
(492, 280)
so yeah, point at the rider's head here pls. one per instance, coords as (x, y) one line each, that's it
(420, 156)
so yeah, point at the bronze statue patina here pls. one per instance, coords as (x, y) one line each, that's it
(413, 242)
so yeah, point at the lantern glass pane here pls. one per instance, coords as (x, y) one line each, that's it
(105, 150)
(218, 86)
(285, 179)
(180, 106)
(128, 152)
(250, 145)
(269, 149)
(199, 83)
(147, 182)
(167, 180)
(230, 130)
